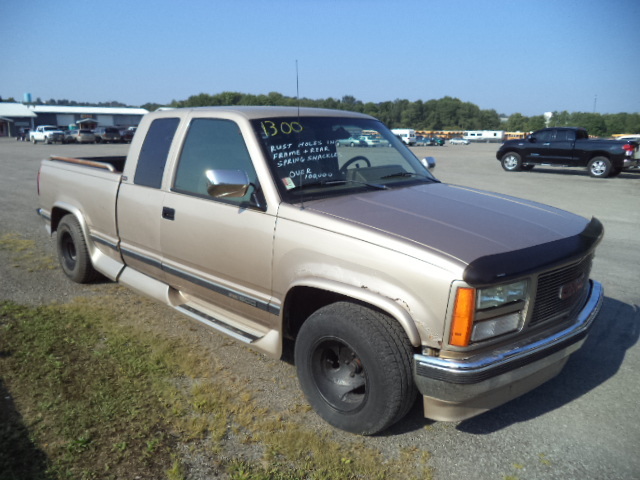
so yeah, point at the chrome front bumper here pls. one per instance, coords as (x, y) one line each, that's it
(455, 389)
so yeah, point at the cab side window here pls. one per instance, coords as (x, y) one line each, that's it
(543, 136)
(154, 152)
(212, 144)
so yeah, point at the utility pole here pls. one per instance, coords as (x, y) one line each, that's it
(595, 102)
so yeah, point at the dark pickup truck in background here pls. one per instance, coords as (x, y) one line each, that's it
(569, 147)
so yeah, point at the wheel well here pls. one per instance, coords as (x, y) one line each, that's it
(300, 303)
(511, 150)
(56, 215)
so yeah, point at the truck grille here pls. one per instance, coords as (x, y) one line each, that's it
(561, 292)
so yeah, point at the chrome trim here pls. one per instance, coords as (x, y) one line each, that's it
(44, 214)
(217, 324)
(481, 367)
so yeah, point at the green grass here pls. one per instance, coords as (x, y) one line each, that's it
(92, 395)
(24, 255)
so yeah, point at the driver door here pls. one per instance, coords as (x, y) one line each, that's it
(217, 252)
(538, 147)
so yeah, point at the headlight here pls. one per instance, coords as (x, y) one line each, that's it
(501, 295)
(480, 314)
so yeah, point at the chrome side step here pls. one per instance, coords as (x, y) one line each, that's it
(217, 324)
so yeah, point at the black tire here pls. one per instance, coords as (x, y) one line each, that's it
(511, 162)
(73, 253)
(354, 366)
(599, 167)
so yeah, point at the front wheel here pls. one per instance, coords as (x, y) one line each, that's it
(354, 365)
(599, 167)
(511, 162)
(73, 252)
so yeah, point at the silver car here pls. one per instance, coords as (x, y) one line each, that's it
(79, 136)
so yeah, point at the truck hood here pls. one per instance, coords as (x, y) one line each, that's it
(455, 221)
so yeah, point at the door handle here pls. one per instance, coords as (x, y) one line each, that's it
(168, 213)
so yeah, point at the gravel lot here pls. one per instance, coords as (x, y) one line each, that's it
(585, 424)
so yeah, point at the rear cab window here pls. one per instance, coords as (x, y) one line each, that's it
(154, 152)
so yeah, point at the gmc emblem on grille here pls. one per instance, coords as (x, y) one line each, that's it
(568, 290)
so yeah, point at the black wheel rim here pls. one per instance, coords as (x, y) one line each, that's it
(69, 253)
(339, 375)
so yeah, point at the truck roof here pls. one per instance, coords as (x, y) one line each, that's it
(253, 112)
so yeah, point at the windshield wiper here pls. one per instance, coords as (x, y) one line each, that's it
(329, 183)
(409, 174)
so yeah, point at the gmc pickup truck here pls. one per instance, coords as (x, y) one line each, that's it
(260, 223)
(569, 147)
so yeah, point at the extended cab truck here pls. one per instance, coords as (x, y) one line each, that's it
(260, 223)
(47, 134)
(568, 147)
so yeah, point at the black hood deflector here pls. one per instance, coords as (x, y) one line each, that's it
(503, 267)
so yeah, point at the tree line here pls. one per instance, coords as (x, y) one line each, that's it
(446, 113)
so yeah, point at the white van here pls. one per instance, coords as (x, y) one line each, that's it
(407, 135)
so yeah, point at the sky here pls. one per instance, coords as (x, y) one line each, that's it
(507, 55)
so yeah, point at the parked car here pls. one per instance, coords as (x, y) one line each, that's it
(437, 141)
(423, 141)
(126, 134)
(458, 141)
(352, 142)
(79, 136)
(107, 134)
(371, 141)
(630, 138)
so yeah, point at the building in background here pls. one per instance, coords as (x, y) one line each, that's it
(87, 117)
(14, 117)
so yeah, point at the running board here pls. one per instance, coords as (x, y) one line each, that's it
(217, 324)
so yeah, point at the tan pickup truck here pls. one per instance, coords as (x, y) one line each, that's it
(265, 224)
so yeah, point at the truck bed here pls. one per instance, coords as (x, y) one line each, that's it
(113, 164)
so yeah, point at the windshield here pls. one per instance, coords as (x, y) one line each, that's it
(317, 157)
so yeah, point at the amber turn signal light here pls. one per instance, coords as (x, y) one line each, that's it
(462, 323)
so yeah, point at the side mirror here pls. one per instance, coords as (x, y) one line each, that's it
(429, 162)
(531, 139)
(227, 183)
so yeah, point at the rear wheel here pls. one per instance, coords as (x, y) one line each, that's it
(511, 162)
(73, 252)
(599, 167)
(354, 365)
